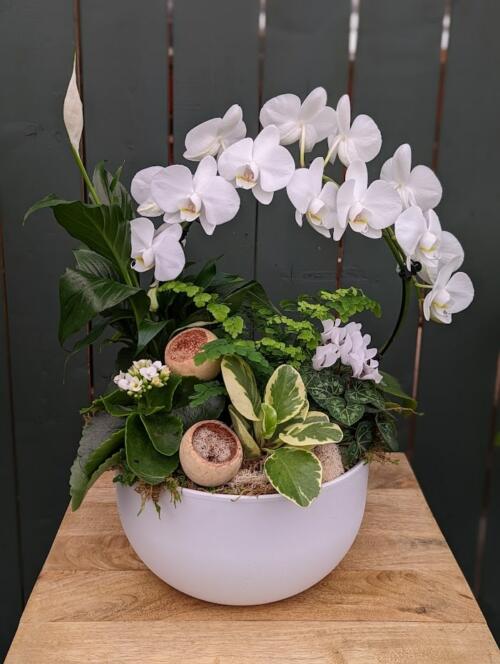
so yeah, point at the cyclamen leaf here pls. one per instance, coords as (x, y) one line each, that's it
(241, 386)
(388, 431)
(295, 474)
(364, 433)
(312, 434)
(364, 392)
(285, 392)
(345, 412)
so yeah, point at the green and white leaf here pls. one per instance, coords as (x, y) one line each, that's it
(241, 386)
(268, 420)
(345, 412)
(311, 434)
(250, 447)
(286, 393)
(295, 474)
(316, 416)
(388, 431)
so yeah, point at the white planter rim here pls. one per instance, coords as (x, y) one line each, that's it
(267, 497)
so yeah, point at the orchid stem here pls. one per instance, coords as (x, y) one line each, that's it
(405, 286)
(90, 187)
(302, 147)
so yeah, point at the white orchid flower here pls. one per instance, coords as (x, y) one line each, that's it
(310, 121)
(367, 209)
(204, 195)
(417, 186)
(311, 198)
(450, 294)
(262, 165)
(214, 136)
(360, 141)
(140, 188)
(420, 236)
(159, 249)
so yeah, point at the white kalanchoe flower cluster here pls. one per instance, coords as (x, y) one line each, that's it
(141, 377)
(403, 197)
(347, 344)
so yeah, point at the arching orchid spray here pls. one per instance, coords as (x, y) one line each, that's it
(398, 207)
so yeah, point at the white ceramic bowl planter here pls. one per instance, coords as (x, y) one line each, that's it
(248, 549)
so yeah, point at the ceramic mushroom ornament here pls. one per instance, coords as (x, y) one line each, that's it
(183, 348)
(210, 453)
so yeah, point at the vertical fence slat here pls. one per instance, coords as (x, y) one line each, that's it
(125, 88)
(10, 577)
(395, 82)
(35, 159)
(215, 66)
(459, 361)
(306, 46)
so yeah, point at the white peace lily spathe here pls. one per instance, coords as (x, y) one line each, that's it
(449, 294)
(159, 249)
(367, 209)
(360, 141)
(214, 136)
(311, 198)
(186, 197)
(422, 239)
(140, 188)
(417, 186)
(309, 121)
(73, 111)
(262, 165)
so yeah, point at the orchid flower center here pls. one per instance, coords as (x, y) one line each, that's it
(315, 212)
(359, 223)
(247, 176)
(190, 208)
(145, 260)
(429, 243)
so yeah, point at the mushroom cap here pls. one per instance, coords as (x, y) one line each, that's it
(210, 453)
(181, 350)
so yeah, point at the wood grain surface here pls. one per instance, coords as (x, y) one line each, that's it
(398, 596)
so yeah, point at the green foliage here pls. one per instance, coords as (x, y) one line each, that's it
(202, 392)
(346, 302)
(295, 474)
(164, 431)
(142, 457)
(245, 348)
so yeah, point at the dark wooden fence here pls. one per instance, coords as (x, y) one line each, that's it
(150, 71)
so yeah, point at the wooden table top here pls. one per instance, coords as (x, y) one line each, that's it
(398, 597)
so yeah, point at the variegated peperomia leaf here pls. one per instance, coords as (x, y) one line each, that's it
(251, 449)
(268, 420)
(311, 434)
(241, 386)
(295, 474)
(286, 393)
(316, 416)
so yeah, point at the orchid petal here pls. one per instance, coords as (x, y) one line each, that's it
(461, 290)
(409, 228)
(344, 114)
(316, 175)
(345, 198)
(141, 235)
(358, 173)
(169, 258)
(235, 157)
(299, 190)
(312, 105)
(329, 194)
(283, 111)
(171, 186)
(450, 249)
(202, 140)
(207, 168)
(276, 171)
(365, 138)
(220, 200)
(264, 197)
(383, 202)
(140, 188)
(426, 187)
(232, 128)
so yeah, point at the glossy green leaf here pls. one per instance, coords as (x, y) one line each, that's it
(391, 385)
(388, 431)
(83, 296)
(295, 474)
(285, 392)
(80, 483)
(241, 386)
(312, 433)
(164, 431)
(268, 420)
(93, 263)
(142, 458)
(147, 331)
(250, 446)
(347, 413)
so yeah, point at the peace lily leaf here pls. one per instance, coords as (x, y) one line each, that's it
(345, 412)
(312, 433)
(142, 458)
(164, 431)
(93, 263)
(285, 392)
(110, 190)
(391, 385)
(80, 483)
(295, 474)
(387, 429)
(241, 386)
(73, 111)
(268, 420)
(83, 295)
(147, 331)
(250, 446)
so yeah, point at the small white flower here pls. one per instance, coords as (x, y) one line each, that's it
(367, 209)
(312, 119)
(420, 236)
(214, 136)
(348, 345)
(122, 380)
(135, 385)
(450, 294)
(311, 198)
(417, 186)
(262, 165)
(204, 195)
(360, 141)
(140, 188)
(159, 249)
